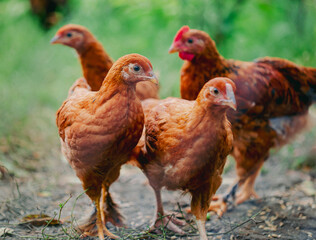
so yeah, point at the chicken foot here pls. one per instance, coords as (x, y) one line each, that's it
(246, 186)
(109, 213)
(97, 219)
(161, 221)
(247, 191)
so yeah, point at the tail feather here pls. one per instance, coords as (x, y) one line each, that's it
(299, 77)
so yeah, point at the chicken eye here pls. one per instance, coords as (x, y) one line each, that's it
(190, 40)
(69, 35)
(136, 68)
(215, 91)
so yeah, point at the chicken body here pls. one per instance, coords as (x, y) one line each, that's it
(180, 155)
(273, 96)
(79, 87)
(98, 130)
(95, 62)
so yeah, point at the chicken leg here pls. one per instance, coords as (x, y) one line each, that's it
(201, 199)
(88, 228)
(246, 181)
(109, 213)
(247, 191)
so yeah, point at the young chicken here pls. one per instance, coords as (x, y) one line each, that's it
(180, 154)
(95, 62)
(98, 130)
(273, 96)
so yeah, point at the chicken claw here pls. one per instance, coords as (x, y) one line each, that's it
(219, 206)
(245, 195)
(169, 221)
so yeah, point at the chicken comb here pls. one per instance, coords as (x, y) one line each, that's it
(179, 34)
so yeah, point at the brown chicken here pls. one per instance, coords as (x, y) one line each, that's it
(273, 96)
(49, 12)
(98, 131)
(180, 154)
(95, 61)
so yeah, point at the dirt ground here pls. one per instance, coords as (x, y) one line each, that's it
(286, 210)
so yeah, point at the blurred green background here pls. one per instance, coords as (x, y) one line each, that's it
(35, 76)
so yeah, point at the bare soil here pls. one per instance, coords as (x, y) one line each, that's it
(286, 209)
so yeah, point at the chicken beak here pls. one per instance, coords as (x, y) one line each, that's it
(55, 39)
(153, 78)
(173, 48)
(230, 97)
(232, 105)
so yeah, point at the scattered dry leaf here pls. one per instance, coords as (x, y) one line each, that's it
(309, 234)
(274, 235)
(270, 227)
(44, 194)
(308, 188)
(301, 216)
(274, 218)
(39, 220)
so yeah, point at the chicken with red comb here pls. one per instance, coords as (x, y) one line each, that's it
(273, 97)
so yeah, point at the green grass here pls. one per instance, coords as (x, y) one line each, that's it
(35, 76)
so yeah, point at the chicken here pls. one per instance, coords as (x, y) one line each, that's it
(273, 96)
(180, 154)
(95, 61)
(98, 131)
(49, 12)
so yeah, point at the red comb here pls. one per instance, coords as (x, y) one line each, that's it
(179, 34)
